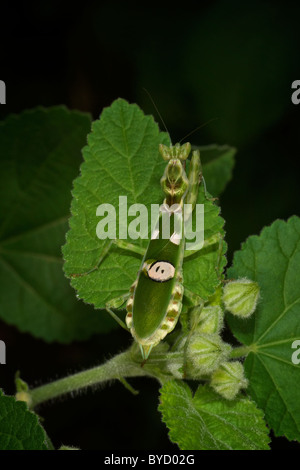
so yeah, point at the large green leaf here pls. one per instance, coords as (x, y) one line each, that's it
(217, 162)
(122, 159)
(273, 260)
(206, 421)
(40, 156)
(19, 428)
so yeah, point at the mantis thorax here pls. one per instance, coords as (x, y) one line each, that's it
(174, 181)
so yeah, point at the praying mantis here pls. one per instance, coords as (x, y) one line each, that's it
(155, 299)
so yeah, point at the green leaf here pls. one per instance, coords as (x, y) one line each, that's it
(273, 260)
(122, 159)
(218, 163)
(40, 155)
(19, 428)
(205, 421)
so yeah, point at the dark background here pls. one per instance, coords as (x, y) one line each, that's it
(230, 61)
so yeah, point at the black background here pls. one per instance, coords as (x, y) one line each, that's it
(230, 61)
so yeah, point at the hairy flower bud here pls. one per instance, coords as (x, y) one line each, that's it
(205, 352)
(228, 379)
(210, 319)
(175, 365)
(240, 297)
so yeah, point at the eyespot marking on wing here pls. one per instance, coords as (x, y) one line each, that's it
(161, 271)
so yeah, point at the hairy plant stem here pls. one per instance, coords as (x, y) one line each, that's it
(126, 364)
(120, 366)
(240, 351)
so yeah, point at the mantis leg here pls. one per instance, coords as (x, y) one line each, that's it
(117, 303)
(195, 176)
(129, 247)
(214, 239)
(193, 298)
(120, 244)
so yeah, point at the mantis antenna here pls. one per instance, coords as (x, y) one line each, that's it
(156, 108)
(197, 128)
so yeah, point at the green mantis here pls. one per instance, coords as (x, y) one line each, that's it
(154, 301)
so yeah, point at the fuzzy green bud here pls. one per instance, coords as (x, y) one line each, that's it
(205, 352)
(175, 365)
(240, 297)
(210, 319)
(228, 379)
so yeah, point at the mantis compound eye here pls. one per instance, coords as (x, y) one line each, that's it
(161, 271)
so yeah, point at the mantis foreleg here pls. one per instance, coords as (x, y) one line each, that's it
(117, 303)
(120, 244)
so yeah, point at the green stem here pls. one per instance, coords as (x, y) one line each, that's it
(241, 351)
(119, 366)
